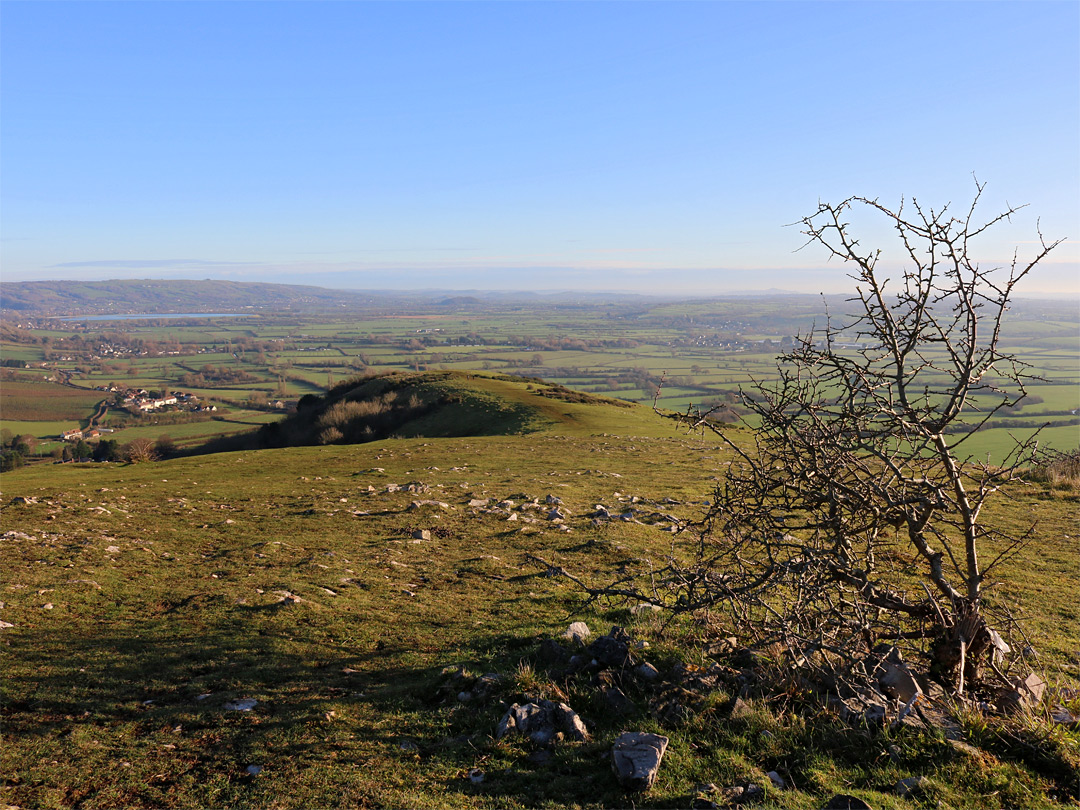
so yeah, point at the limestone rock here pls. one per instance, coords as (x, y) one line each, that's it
(543, 722)
(578, 631)
(636, 758)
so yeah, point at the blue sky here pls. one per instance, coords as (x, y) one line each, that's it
(641, 146)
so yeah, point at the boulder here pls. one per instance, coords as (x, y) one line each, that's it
(636, 758)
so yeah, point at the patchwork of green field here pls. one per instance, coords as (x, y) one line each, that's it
(703, 350)
(37, 429)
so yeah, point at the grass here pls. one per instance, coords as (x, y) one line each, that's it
(165, 583)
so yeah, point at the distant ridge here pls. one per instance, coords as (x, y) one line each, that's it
(126, 296)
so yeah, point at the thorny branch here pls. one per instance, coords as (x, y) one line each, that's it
(852, 518)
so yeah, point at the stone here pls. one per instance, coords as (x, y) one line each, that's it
(777, 780)
(644, 607)
(740, 708)
(551, 500)
(551, 653)
(240, 705)
(647, 671)
(1025, 694)
(543, 722)
(636, 757)
(570, 723)
(912, 786)
(842, 801)
(753, 793)
(578, 631)
(476, 776)
(898, 682)
(612, 650)
(1060, 715)
(421, 534)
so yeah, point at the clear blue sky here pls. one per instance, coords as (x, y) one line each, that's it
(636, 146)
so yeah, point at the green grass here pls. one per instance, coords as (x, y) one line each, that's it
(162, 581)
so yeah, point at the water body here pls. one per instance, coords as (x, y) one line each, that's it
(148, 316)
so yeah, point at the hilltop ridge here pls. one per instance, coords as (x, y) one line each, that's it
(436, 404)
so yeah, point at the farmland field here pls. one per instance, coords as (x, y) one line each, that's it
(689, 353)
(44, 402)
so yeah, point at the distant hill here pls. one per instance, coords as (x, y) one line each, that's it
(433, 404)
(129, 296)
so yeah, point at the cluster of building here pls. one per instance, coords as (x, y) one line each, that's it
(76, 434)
(139, 399)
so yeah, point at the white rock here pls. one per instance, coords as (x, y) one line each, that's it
(578, 631)
(241, 705)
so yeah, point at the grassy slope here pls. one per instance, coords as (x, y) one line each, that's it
(162, 583)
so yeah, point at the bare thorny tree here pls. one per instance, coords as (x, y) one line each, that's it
(852, 522)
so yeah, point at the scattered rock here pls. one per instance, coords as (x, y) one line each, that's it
(14, 535)
(636, 758)
(578, 631)
(644, 607)
(240, 705)
(23, 500)
(254, 770)
(543, 722)
(777, 780)
(477, 776)
(912, 786)
(421, 534)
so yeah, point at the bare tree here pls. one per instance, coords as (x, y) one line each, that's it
(138, 450)
(852, 522)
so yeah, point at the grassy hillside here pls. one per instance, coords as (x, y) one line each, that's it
(145, 600)
(451, 403)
